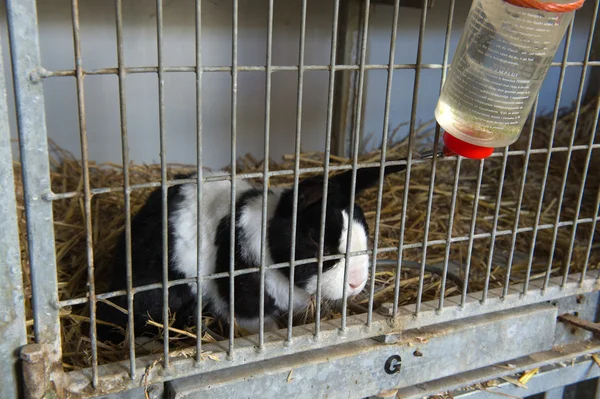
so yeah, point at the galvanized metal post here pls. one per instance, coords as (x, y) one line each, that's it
(12, 308)
(346, 106)
(346, 86)
(31, 123)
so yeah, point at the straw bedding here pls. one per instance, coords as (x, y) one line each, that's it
(108, 221)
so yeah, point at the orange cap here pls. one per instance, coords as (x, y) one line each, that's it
(453, 145)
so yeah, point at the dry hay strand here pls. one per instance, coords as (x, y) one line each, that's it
(108, 222)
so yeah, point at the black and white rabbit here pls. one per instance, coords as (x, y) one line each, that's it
(146, 247)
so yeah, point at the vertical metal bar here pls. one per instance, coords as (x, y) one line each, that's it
(457, 167)
(411, 137)
(384, 143)
(356, 146)
(580, 92)
(463, 298)
(540, 201)
(591, 239)
(163, 178)
(126, 184)
(593, 227)
(33, 145)
(328, 129)
(520, 202)
(198, 26)
(447, 44)
(87, 196)
(234, 87)
(12, 323)
(488, 271)
(296, 169)
(263, 235)
(449, 232)
(594, 74)
(580, 199)
(432, 180)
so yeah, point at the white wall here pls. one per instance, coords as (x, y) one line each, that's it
(101, 92)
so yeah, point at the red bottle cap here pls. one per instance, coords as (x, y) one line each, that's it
(464, 149)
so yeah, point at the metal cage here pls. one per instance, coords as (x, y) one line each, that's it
(371, 354)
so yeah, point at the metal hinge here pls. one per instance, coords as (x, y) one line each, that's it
(42, 372)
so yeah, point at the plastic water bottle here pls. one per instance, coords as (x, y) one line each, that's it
(502, 58)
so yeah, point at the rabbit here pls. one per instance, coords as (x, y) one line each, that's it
(146, 249)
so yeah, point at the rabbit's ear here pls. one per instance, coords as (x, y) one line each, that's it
(183, 176)
(365, 178)
(310, 191)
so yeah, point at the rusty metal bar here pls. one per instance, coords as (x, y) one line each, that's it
(87, 196)
(581, 323)
(126, 183)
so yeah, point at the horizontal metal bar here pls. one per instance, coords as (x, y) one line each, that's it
(561, 366)
(383, 250)
(261, 68)
(51, 196)
(112, 376)
(368, 367)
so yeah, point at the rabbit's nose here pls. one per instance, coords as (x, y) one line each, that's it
(355, 280)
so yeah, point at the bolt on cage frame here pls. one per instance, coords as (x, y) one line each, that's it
(28, 74)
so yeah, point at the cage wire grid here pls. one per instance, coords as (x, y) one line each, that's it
(22, 23)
